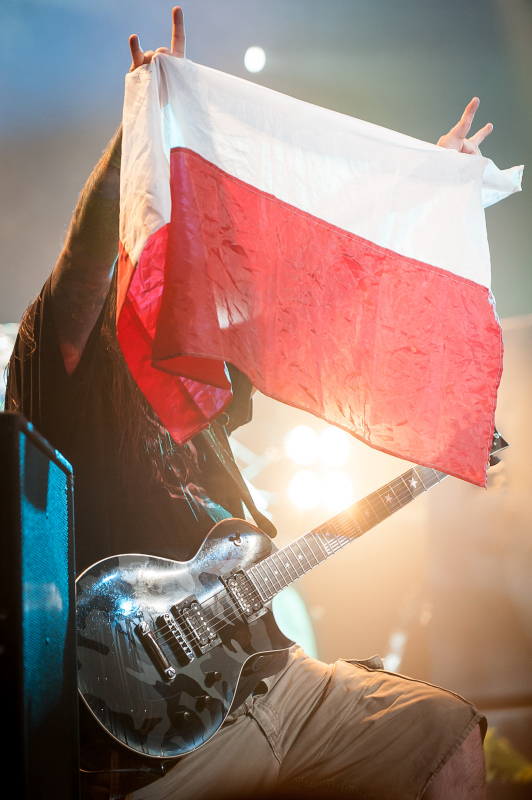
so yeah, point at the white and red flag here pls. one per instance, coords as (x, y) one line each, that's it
(343, 267)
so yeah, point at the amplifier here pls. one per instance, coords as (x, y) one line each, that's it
(37, 615)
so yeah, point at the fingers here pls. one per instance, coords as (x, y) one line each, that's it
(470, 148)
(177, 47)
(462, 128)
(137, 54)
(457, 139)
(140, 56)
(479, 137)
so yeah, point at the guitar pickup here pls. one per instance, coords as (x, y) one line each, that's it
(197, 627)
(244, 594)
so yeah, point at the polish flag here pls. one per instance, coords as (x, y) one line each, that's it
(343, 267)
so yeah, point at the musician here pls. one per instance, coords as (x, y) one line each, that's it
(350, 728)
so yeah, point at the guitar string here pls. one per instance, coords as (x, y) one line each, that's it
(254, 590)
(221, 595)
(232, 612)
(251, 593)
(225, 611)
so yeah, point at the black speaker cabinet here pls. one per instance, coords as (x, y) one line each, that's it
(39, 712)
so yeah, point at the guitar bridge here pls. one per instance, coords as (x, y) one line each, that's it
(175, 637)
(244, 594)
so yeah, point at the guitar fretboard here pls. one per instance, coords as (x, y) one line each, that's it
(285, 566)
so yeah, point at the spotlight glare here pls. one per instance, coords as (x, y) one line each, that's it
(302, 444)
(255, 59)
(337, 491)
(334, 446)
(304, 489)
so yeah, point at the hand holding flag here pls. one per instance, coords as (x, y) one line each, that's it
(177, 46)
(456, 138)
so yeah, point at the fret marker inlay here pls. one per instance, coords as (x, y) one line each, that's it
(283, 567)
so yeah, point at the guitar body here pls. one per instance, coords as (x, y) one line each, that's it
(162, 644)
(163, 685)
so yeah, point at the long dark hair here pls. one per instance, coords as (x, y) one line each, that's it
(141, 441)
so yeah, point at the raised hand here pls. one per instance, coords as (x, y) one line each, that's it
(456, 138)
(177, 47)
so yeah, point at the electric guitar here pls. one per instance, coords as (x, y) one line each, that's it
(162, 644)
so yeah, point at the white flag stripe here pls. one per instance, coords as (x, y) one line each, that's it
(412, 197)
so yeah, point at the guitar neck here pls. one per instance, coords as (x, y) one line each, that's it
(287, 565)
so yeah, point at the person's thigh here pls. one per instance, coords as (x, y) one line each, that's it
(372, 733)
(237, 759)
(244, 756)
(342, 727)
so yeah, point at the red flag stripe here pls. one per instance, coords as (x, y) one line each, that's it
(405, 356)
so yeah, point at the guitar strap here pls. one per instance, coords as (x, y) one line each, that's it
(216, 440)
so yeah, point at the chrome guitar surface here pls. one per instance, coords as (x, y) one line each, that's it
(162, 644)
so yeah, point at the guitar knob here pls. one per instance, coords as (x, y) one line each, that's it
(212, 677)
(182, 717)
(204, 701)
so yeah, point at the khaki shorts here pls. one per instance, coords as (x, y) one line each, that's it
(341, 726)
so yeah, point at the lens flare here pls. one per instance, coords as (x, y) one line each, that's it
(304, 490)
(254, 59)
(301, 445)
(334, 447)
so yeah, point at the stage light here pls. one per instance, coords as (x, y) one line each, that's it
(255, 59)
(304, 490)
(337, 491)
(302, 445)
(334, 446)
